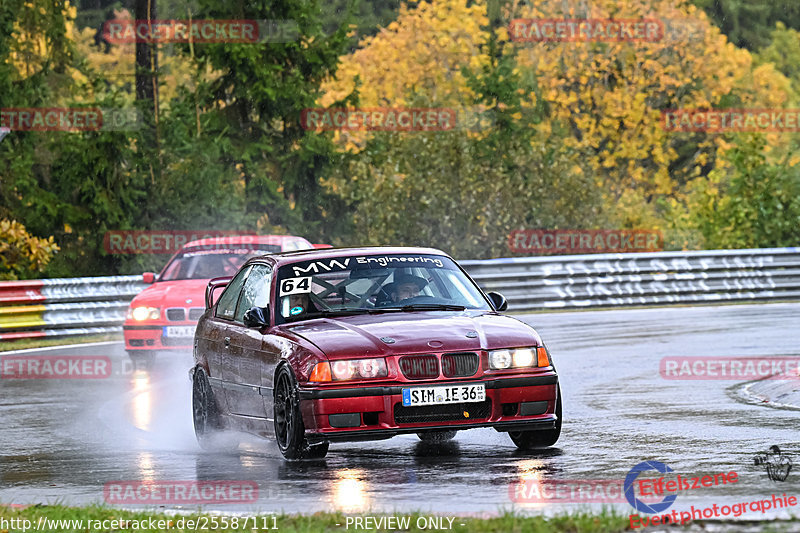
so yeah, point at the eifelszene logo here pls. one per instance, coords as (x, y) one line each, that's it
(630, 495)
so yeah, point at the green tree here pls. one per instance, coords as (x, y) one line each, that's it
(754, 203)
(465, 190)
(749, 23)
(265, 89)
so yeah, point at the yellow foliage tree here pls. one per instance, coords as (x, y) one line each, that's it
(611, 94)
(22, 254)
(31, 49)
(416, 60)
(116, 65)
(605, 98)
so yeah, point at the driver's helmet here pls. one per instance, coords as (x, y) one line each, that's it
(405, 279)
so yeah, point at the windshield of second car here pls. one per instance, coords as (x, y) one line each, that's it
(366, 283)
(207, 264)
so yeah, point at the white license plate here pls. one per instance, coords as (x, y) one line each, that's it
(179, 331)
(474, 392)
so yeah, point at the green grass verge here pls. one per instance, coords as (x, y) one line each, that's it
(23, 344)
(605, 521)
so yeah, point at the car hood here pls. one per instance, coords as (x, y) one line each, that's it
(173, 294)
(415, 332)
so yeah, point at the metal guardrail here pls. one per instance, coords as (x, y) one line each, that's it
(75, 306)
(68, 306)
(654, 278)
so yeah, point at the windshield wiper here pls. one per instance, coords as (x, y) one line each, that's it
(328, 313)
(421, 307)
(377, 310)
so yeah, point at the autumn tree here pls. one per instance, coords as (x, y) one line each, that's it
(21, 254)
(464, 189)
(612, 94)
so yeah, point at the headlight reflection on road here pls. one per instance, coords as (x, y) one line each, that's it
(147, 471)
(529, 478)
(350, 491)
(142, 401)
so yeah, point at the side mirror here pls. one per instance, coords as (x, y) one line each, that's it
(213, 285)
(498, 301)
(149, 277)
(256, 317)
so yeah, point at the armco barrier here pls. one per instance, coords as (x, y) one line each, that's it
(654, 278)
(75, 306)
(63, 307)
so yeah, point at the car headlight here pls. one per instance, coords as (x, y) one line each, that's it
(500, 359)
(144, 313)
(518, 358)
(349, 369)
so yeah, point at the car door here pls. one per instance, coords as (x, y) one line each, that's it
(245, 384)
(218, 338)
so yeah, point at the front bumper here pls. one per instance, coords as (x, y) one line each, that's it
(151, 337)
(367, 413)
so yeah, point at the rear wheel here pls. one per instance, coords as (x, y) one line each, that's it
(289, 428)
(436, 436)
(527, 440)
(205, 414)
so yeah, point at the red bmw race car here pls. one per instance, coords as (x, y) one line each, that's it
(367, 343)
(163, 316)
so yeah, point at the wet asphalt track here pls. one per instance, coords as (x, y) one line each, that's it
(62, 440)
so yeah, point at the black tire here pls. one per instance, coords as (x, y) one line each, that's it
(289, 428)
(528, 440)
(205, 413)
(142, 360)
(436, 436)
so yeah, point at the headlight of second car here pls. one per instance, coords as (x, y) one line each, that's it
(518, 358)
(144, 313)
(349, 369)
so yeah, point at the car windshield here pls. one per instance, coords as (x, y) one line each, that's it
(209, 264)
(374, 284)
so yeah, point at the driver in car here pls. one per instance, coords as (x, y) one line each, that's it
(300, 304)
(406, 286)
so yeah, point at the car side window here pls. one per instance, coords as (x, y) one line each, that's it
(230, 296)
(256, 290)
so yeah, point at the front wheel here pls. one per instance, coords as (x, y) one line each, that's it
(528, 440)
(434, 437)
(289, 428)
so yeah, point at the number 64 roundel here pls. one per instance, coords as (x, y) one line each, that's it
(295, 286)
